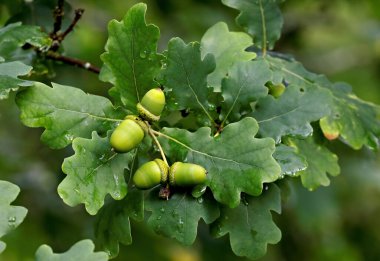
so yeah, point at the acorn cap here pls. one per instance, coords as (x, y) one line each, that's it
(139, 121)
(172, 171)
(164, 170)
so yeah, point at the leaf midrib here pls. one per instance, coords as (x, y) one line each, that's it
(71, 111)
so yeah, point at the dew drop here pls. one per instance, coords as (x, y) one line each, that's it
(180, 225)
(69, 137)
(200, 200)
(218, 231)
(143, 54)
(103, 158)
(117, 195)
(12, 221)
(159, 217)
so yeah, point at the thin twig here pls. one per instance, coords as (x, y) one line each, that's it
(78, 14)
(58, 15)
(72, 61)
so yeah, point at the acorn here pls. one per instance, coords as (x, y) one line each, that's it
(151, 105)
(139, 121)
(276, 90)
(127, 136)
(186, 174)
(151, 174)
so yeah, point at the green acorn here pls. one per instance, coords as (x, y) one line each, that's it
(127, 136)
(152, 104)
(186, 174)
(276, 90)
(151, 174)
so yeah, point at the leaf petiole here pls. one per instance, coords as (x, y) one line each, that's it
(170, 138)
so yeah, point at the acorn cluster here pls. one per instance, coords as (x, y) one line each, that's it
(131, 131)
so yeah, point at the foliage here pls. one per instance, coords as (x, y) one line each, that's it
(10, 216)
(246, 139)
(82, 250)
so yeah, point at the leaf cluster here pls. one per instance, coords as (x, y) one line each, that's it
(219, 114)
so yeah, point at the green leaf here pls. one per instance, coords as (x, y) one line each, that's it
(227, 48)
(65, 113)
(245, 84)
(82, 250)
(250, 225)
(290, 160)
(185, 77)
(236, 161)
(113, 227)
(320, 162)
(260, 18)
(131, 56)
(9, 80)
(293, 72)
(357, 121)
(94, 171)
(2, 246)
(178, 217)
(292, 112)
(15, 35)
(10, 216)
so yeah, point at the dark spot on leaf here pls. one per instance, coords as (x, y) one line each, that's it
(184, 113)
(218, 109)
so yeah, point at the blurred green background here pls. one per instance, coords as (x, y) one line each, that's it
(339, 38)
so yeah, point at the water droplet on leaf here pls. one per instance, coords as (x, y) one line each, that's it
(143, 54)
(12, 221)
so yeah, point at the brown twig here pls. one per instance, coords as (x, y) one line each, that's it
(78, 14)
(72, 61)
(58, 16)
(57, 37)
